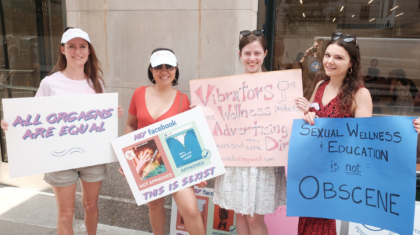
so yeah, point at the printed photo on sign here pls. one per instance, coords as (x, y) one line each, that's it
(223, 219)
(147, 162)
(184, 146)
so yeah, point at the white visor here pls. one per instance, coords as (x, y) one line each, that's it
(163, 57)
(74, 33)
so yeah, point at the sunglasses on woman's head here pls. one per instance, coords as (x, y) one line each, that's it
(167, 66)
(346, 37)
(246, 33)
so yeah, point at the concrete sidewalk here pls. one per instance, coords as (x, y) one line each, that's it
(31, 212)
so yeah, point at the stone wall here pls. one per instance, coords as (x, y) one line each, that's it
(204, 35)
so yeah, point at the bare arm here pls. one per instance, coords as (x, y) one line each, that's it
(363, 106)
(131, 124)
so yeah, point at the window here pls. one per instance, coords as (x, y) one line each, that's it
(390, 6)
(393, 41)
(364, 12)
(29, 48)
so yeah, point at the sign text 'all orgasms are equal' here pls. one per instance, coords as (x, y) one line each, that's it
(65, 118)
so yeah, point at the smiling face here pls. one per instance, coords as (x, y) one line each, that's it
(76, 52)
(336, 61)
(252, 57)
(164, 76)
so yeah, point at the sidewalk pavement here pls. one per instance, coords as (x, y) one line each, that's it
(31, 212)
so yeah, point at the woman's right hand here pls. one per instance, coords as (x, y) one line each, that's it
(310, 117)
(308, 52)
(4, 125)
(416, 124)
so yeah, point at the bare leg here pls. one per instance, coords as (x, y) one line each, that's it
(90, 195)
(257, 224)
(65, 197)
(187, 205)
(242, 224)
(157, 216)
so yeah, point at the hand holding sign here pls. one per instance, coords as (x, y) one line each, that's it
(416, 124)
(4, 125)
(355, 169)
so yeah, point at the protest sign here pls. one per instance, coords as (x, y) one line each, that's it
(354, 169)
(250, 115)
(279, 224)
(357, 229)
(216, 220)
(168, 156)
(48, 134)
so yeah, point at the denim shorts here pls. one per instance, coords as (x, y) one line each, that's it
(69, 177)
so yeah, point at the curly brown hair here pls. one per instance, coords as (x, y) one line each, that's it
(354, 79)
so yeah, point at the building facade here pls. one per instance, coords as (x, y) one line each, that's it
(204, 35)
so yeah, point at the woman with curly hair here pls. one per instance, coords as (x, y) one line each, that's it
(341, 95)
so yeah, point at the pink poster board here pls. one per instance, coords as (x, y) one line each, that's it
(250, 115)
(279, 224)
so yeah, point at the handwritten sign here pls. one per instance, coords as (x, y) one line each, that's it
(48, 134)
(168, 156)
(216, 220)
(354, 169)
(357, 229)
(250, 115)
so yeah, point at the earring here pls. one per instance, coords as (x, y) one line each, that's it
(153, 81)
(351, 71)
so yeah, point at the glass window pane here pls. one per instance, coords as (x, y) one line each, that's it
(30, 32)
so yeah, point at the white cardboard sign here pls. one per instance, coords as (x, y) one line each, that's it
(48, 134)
(168, 156)
(358, 229)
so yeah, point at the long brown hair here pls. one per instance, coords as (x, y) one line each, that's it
(92, 67)
(354, 79)
(250, 39)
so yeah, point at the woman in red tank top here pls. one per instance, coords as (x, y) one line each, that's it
(151, 104)
(342, 95)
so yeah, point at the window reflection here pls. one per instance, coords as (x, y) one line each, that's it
(388, 34)
(30, 35)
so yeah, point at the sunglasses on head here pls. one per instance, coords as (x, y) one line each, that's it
(167, 66)
(246, 33)
(346, 37)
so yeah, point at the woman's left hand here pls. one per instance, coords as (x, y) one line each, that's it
(303, 104)
(416, 124)
(202, 184)
(120, 111)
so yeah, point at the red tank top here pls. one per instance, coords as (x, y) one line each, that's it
(330, 109)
